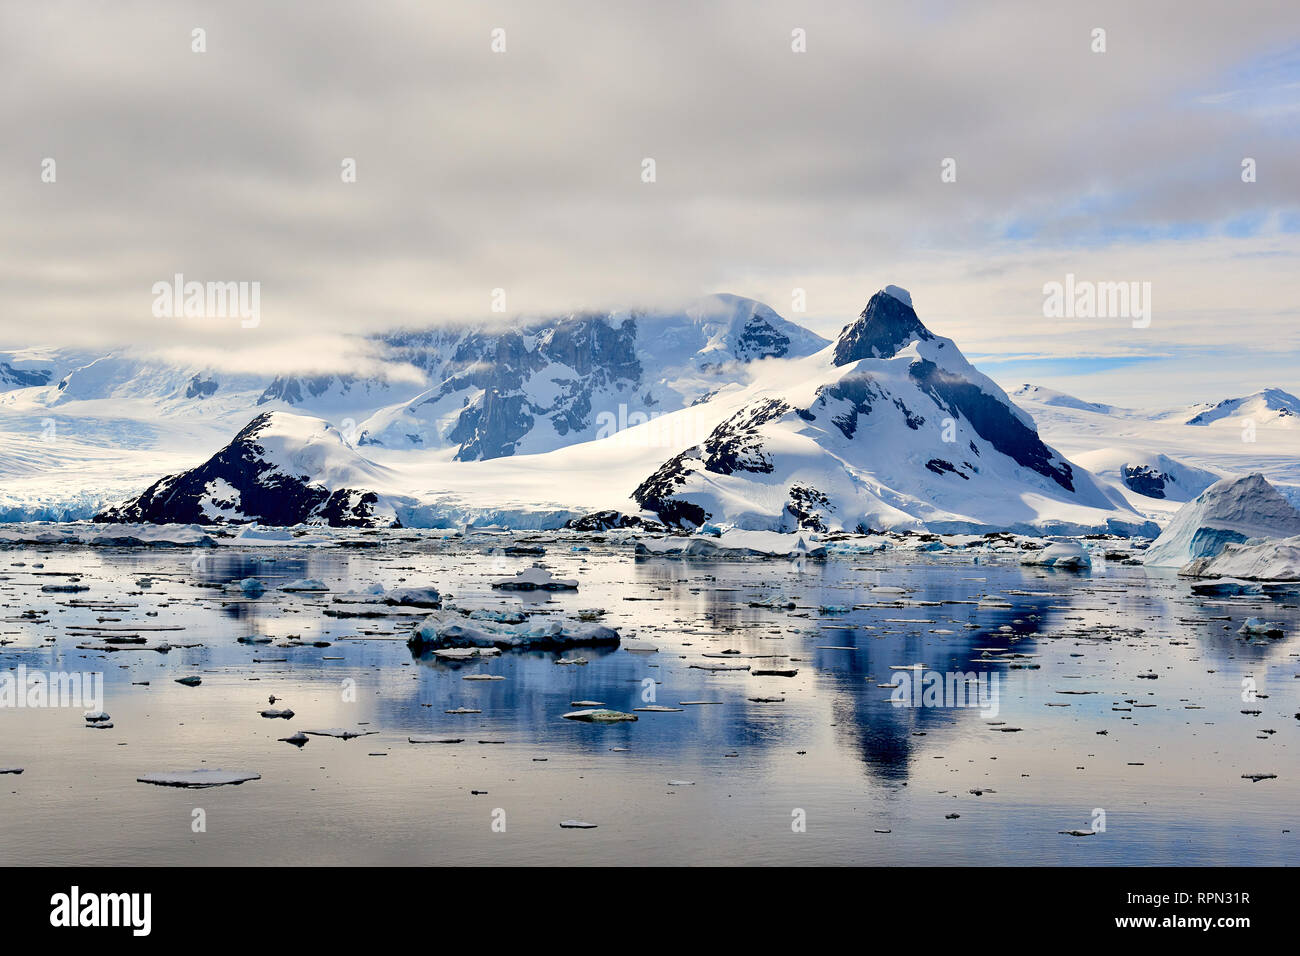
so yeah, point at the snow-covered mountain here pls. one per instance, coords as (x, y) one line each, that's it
(721, 409)
(890, 427)
(1270, 406)
(281, 469)
(550, 384)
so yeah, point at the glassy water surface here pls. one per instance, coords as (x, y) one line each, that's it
(1152, 766)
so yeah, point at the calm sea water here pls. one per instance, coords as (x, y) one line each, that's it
(809, 780)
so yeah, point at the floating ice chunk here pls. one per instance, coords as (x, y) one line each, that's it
(414, 597)
(734, 543)
(198, 779)
(190, 681)
(429, 739)
(285, 714)
(342, 733)
(305, 584)
(599, 716)
(13, 770)
(1257, 625)
(658, 709)
(1265, 561)
(465, 653)
(536, 578)
(252, 587)
(681, 783)
(95, 716)
(449, 629)
(640, 647)
(1063, 554)
(577, 825)
(255, 639)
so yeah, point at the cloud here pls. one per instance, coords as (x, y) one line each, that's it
(522, 170)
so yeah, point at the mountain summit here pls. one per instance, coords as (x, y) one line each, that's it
(890, 427)
(887, 324)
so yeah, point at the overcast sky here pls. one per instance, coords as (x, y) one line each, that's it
(775, 170)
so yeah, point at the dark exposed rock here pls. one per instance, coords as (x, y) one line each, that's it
(885, 326)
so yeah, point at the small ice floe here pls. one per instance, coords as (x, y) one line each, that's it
(656, 709)
(252, 587)
(305, 584)
(430, 739)
(198, 779)
(834, 609)
(1257, 777)
(734, 543)
(586, 703)
(297, 739)
(777, 700)
(681, 783)
(1257, 625)
(95, 716)
(65, 588)
(1067, 555)
(450, 629)
(285, 714)
(463, 710)
(13, 770)
(190, 681)
(572, 660)
(482, 677)
(1078, 833)
(100, 725)
(719, 667)
(465, 653)
(774, 671)
(576, 825)
(536, 578)
(599, 716)
(342, 733)
(640, 647)
(256, 639)
(414, 597)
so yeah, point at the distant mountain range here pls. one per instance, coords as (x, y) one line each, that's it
(722, 412)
